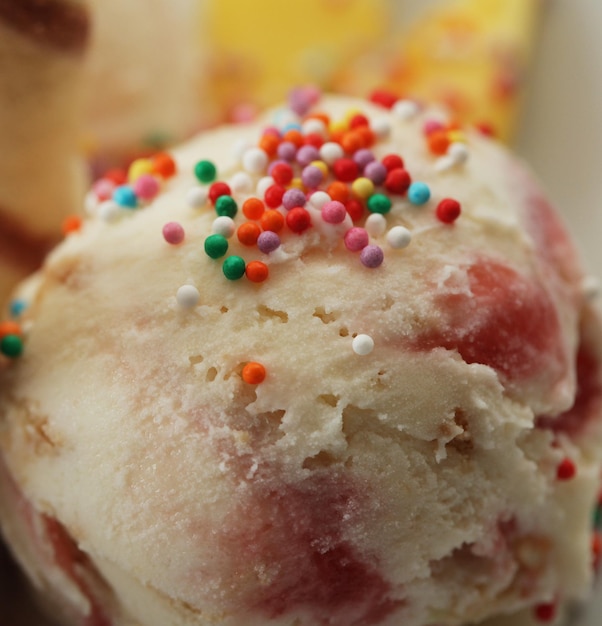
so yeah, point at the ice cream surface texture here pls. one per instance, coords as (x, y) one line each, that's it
(379, 406)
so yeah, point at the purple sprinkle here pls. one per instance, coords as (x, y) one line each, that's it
(371, 256)
(292, 198)
(312, 176)
(376, 172)
(268, 241)
(173, 233)
(307, 154)
(362, 157)
(287, 151)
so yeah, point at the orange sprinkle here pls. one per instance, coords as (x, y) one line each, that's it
(438, 142)
(366, 134)
(338, 190)
(256, 271)
(319, 115)
(269, 144)
(164, 165)
(272, 220)
(253, 373)
(253, 208)
(248, 233)
(10, 328)
(351, 141)
(71, 224)
(294, 136)
(337, 134)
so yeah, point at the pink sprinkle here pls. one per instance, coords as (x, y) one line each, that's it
(356, 238)
(103, 189)
(334, 212)
(371, 256)
(146, 187)
(173, 233)
(430, 126)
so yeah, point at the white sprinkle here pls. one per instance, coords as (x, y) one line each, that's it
(399, 237)
(381, 127)
(223, 225)
(188, 296)
(240, 147)
(405, 109)
(197, 196)
(254, 160)
(376, 224)
(313, 126)
(109, 211)
(362, 344)
(444, 163)
(319, 198)
(284, 117)
(263, 184)
(91, 203)
(241, 182)
(330, 152)
(590, 287)
(458, 151)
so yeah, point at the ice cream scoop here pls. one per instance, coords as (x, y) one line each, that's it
(314, 370)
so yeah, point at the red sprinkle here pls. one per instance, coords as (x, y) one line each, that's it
(282, 173)
(118, 176)
(383, 97)
(219, 189)
(345, 169)
(273, 196)
(298, 219)
(566, 469)
(448, 210)
(545, 612)
(313, 139)
(398, 180)
(355, 208)
(359, 119)
(392, 162)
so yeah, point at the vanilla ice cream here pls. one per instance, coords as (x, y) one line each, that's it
(381, 414)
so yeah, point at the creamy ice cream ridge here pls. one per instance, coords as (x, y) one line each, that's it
(337, 367)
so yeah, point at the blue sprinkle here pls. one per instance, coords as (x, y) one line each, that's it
(291, 126)
(419, 193)
(17, 307)
(125, 196)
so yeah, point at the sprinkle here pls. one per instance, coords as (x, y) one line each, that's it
(345, 169)
(293, 198)
(362, 344)
(405, 109)
(139, 167)
(448, 210)
(379, 203)
(146, 186)
(197, 197)
(71, 224)
(383, 97)
(351, 142)
(269, 142)
(240, 147)
(241, 182)
(254, 160)
(545, 612)
(438, 142)
(381, 127)
(399, 237)
(456, 136)
(118, 176)
(226, 205)
(173, 233)
(248, 233)
(392, 162)
(298, 219)
(314, 126)
(205, 171)
(272, 220)
(334, 212)
(458, 152)
(431, 126)
(287, 151)
(268, 241)
(307, 154)
(376, 224)
(371, 256)
(312, 176)
(322, 166)
(282, 173)
(108, 211)
(234, 267)
(164, 165)
(216, 246)
(256, 271)
(318, 199)
(124, 196)
(253, 373)
(253, 208)
(188, 296)
(338, 190)
(355, 209)
(376, 172)
(330, 152)
(362, 187)
(300, 100)
(566, 469)
(219, 189)
(224, 226)
(263, 184)
(273, 196)
(419, 193)
(103, 189)
(356, 238)
(10, 327)
(313, 140)
(362, 157)
(11, 346)
(17, 307)
(398, 181)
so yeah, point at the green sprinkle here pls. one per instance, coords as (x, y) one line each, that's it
(379, 203)
(226, 205)
(234, 267)
(205, 171)
(216, 246)
(11, 346)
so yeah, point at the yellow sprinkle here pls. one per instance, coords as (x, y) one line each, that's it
(321, 166)
(362, 187)
(339, 126)
(456, 136)
(296, 183)
(350, 114)
(139, 167)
